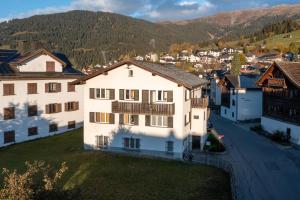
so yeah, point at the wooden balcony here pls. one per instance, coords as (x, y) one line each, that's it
(199, 102)
(143, 108)
(276, 82)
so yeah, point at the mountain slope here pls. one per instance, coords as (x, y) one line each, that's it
(97, 37)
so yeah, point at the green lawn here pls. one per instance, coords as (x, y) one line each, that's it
(110, 176)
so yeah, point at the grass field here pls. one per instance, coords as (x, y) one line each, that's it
(111, 176)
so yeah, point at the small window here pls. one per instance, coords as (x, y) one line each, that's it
(169, 146)
(131, 143)
(9, 137)
(71, 124)
(225, 111)
(53, 108)
(130, 73)
(32, 110)
(232, 114)
(71, 87)
(196, 116)
(8, 89)
(32, 88)
(32, 131)
(72, 106)
(50, 66)
(159, 121)
(53, 127)
(52, 87)
(233, 102)
(9, 113)
(131, 119)
(102, 141)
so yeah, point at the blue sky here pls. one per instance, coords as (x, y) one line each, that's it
(154, 10)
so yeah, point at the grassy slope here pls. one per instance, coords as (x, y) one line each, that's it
(109, 176)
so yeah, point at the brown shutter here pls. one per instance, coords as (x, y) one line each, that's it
(47, 109)
(112, 94)
(121, 94)
(170, 122)
(121, 119)
(58, 107)
(66, 107)
(169, 96)
(92, 117)
(8, 89)
(76, 105)
(47, 87)
(136, 95)
(71, 87)
(92, 93)
(58, 85)
(145, 96)
(147, 120)
(111, 118)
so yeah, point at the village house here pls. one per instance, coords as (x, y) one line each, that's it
(241, 98)
(149, 108)
(37, 99)
(281, 99)
(215, 53)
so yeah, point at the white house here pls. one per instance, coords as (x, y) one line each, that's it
(241, 98)
(192, 58)
(37, 99)
(216, 90)
(150, 108)
(214, 53)
(281, 99)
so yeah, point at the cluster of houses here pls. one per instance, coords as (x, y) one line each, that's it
(145, 107)
(273, 98)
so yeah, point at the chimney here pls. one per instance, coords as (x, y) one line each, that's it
(23, 46)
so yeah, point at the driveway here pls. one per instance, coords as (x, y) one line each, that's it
(264, 170)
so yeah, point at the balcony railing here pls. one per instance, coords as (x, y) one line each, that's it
(143, 108)
(276, 82)
(199, 102)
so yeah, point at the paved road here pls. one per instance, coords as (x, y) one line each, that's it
(265, 171)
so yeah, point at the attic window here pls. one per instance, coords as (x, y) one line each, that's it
(50, 66)
(130, 73)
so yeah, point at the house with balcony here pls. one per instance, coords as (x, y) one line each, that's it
(241, 98)
(37, 99)
(150, 108)
(281, 99)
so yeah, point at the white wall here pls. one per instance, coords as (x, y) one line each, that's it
(39, 64)
(272, 125)
(152, 138)
(21, 99)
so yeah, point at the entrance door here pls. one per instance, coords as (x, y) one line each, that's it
(196, 140)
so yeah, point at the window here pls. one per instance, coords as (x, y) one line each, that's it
(71, 87)
(169, 146)
(102, 93)
(72, 106)
(71, 124)
(128, 119)
(196, 116)
(233, 102)
(53, 108)
(233, 92)
(187, 118)
(52, 87)
(102, 141)
(9, 136)
(232, 114)
(32, 110)
(161, 96)
(100, 117)
(9, 113)
(8, 89)
(131, 143)
(158, 120)
(32, 131)
(225, 111)
(50, 66)
(130, 73)
(32, 88)
(53, 127)
(128, 94)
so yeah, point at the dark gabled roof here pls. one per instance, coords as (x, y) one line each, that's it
(7, 55)
(168, 71)
(290, 69)
(247, 81)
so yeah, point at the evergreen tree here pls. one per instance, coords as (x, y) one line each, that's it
(236, 64)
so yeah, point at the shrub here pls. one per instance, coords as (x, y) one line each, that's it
(215, 144)
(281, 137)
(256, 128)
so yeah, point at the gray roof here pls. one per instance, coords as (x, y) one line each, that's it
(247, 81)
(168, 71)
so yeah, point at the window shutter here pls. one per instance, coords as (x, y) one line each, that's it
(58, 85)
(92, 93)
(92, 117)
(121, 94)
(185, 95)
(76, 105)
(66, 107)
(147, 120)
(136, 95)
(170, 122)
(47, 87)
(121, 119)
(58, 107)
(111, 118)
(47, 109)
(112, 94)
(170, 96)
(145, 96)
